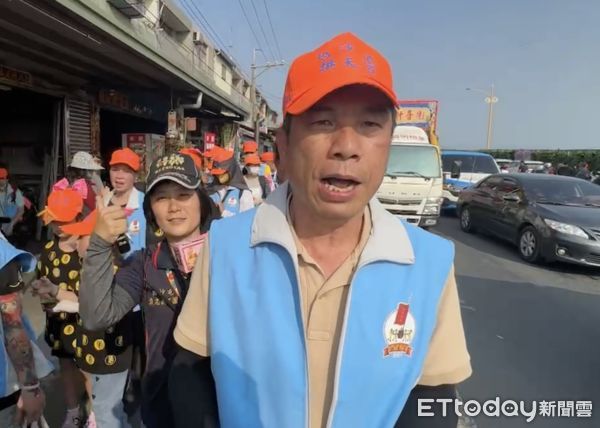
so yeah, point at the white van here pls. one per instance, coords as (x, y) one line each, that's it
(412, 185)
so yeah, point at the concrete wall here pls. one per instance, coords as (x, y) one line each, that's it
(145, 35)
(223, 80)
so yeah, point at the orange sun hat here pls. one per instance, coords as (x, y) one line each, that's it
(82, 228)
(342, 61)
(63, 206)
(3, 173)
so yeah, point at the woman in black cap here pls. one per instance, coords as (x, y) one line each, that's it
(156, 278)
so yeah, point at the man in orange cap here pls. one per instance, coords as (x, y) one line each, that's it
(12, 203)
(344, 295)
(125, 165)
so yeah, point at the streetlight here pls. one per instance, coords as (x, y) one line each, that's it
(489, 99)
(255, 76)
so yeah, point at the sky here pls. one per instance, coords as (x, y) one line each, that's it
(541, 55)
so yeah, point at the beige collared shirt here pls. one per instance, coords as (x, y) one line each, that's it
(324, 302)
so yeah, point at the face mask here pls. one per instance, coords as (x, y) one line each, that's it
(186, 253)
(253, 170)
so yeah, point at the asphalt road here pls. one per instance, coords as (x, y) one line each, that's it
(533, 331)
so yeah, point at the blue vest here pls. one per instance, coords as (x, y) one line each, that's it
(258, 347)
(231, 201)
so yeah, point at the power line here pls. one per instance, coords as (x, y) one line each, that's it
(272, 30)
(214, 35)
(262, 30)
(209, 29)
(186, 48)
(251, 28)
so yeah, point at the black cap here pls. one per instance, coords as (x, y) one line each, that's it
(174, 167)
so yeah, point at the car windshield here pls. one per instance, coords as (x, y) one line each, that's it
(563, 192)
(470, 164)
(417, 161)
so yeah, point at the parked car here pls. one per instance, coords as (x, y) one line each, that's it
(462, 170)
(503, 164)
(548, 217)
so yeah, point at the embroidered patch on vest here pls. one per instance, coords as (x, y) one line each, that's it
(399, 331)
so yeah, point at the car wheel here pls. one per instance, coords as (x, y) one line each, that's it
(466, 220)
(530, 245)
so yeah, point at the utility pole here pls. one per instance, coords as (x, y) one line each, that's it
(254, 76)
(490, 99)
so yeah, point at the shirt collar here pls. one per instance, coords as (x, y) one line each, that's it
(162, 258)
(134, 199)
(389, 239)
(133, 202)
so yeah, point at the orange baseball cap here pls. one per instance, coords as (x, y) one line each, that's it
(195, 154)
(3, 173)
(127, 157)
(63, 206)
(267, 157)
(342, 61)
(250, 147)
(82, 228)
(252, 160)
(220, 156)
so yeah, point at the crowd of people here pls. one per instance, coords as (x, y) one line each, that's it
(104, 358)
(243, 294)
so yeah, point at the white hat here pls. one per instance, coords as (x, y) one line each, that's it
(84, 160)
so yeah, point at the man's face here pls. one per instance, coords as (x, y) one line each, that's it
(122, 178)
(336, 153)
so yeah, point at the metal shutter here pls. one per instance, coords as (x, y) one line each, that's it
(78, 126)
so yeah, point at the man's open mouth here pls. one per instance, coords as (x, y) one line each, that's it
(339, 184)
